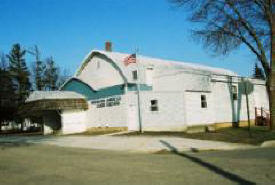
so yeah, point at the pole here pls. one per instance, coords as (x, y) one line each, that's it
(138, 95)
(247, 105)
(126, 100)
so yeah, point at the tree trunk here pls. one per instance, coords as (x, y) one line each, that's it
(272, 77)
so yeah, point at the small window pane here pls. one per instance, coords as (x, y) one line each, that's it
(203, 101)
(234, 89)
(203, 104)
(134, 75)
(154, 102)
(234, 92)
(154, 109)
(101, 104)
(154, 105)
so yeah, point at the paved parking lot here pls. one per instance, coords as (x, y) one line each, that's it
(32, 164)
(126, 143)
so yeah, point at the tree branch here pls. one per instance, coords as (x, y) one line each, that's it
(250, 30)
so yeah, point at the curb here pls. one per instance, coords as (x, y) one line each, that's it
(270, 143)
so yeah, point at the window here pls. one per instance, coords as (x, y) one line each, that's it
(154, 105)
(203, 101)
(94, 102)
(135, 75)
(234, 92)
(113, 101)
(100, 104)
(109, 102)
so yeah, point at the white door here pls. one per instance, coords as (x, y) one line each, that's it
(133, 117)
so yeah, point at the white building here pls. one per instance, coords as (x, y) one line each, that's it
(154, 95)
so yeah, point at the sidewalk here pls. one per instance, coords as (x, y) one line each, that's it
(126, 143)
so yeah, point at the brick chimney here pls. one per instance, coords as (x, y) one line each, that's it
(108, 46)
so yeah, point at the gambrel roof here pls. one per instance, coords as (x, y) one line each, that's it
(118, 58)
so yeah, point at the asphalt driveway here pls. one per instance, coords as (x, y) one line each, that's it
(32, 164)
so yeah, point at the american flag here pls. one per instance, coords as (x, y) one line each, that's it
(130, 59)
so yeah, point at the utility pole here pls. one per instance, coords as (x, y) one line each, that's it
(138, 94)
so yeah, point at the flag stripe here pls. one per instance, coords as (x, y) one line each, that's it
(130, 59)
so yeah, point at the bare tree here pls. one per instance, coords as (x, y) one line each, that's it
(225, 25)
(66, 74)
(258, 72)
(38, 68)
(51, 75)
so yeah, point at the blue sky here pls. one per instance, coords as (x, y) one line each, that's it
(69, 29)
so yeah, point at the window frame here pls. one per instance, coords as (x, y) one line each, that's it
(135, 75)
(101, 103)
(203, 101)
(154, 105)
(234, 92)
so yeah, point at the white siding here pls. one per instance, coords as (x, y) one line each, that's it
(114, 116)
(149, 75)
(100, 74)
(170, 114)
(176, 80)
(168, 80)
(226, 110)
(261, 96)
(222, 105)
(195, 114)
(73, 121)
(178, 89)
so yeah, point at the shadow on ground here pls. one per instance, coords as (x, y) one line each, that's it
(6, 144)
(228, 175)
(21, 141)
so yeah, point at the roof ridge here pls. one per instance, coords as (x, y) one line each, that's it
(161, 61)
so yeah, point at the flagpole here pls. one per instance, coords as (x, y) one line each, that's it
(138, 93)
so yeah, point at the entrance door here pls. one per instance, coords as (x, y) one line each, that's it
(133, 117)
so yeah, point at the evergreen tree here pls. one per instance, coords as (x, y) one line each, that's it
(19, 71)
(8, 98)
(258, 72)
(51, 75)
(3, 63)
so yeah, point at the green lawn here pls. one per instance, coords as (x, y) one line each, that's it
(234, 135)
(237, 135)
